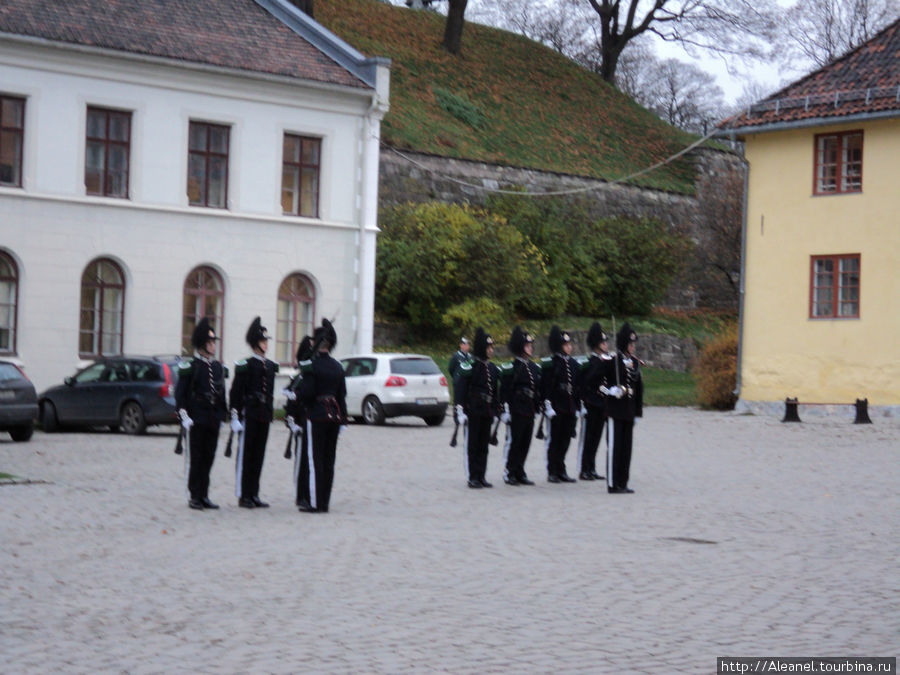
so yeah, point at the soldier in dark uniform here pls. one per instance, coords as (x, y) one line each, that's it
(324, 393)
(593, 388)
(560, 404)
(251, 400)
(200, 400)
(624, 403)
(461, 356)
(295, 419)
(477, 403)
(520, 391)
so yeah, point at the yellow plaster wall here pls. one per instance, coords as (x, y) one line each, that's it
(784, 352)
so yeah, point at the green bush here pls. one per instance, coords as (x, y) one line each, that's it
(459, 106)
(465, 317)
(716, 371)
(433, 256)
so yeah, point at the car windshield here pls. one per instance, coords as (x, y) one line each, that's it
(414, 366)
(9, 372)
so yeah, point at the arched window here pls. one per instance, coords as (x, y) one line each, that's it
(9, 291)
(102, 309)
(204, 295)
(296, 316)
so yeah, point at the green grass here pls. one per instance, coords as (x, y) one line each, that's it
(668, 388)
(506, 99)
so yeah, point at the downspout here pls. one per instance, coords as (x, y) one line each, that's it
(740, 348)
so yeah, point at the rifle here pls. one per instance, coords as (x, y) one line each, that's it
(455, 431)
(493, 440)
(182, 432)
(616, 358)
(540, 432)
(228, 445)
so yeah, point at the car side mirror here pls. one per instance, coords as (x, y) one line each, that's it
(69, 381)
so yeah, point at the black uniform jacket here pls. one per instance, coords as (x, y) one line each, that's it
(476, 388)
(296, 408)
(252, 389)
(323, 391)
(560, 384)
(520, 387)
(201, 391)
(594, 376)
(631, 404)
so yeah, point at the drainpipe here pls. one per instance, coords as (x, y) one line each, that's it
(746, 165)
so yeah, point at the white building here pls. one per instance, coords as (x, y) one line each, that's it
(165, 160)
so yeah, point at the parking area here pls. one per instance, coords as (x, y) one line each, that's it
(745, 537)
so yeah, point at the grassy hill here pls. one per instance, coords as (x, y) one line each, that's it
(505, 100)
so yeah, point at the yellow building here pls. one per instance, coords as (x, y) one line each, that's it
(820, 311)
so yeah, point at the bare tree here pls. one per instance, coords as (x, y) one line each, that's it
(682, 94)
(819, 31)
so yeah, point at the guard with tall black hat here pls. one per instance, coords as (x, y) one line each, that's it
(324, 393)
(560, 404)
(520, 391)
(593, 387)
(295, 420)
(251, 401)
(477, 402)
(624, 403)
(200, 401)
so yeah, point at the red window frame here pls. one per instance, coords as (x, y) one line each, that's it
(204, 285)
(9, 273)
(101, 180)
(301, 160)
(845, 171)
(295, 291)
(833, 289)
(208, 164)
(12, 133)
(93, 320)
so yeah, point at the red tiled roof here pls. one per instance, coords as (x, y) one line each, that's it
(865, 80)
(236, 34)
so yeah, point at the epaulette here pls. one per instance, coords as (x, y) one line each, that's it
(546, 363)
(276, 366)
(583, 362)
(240, 366)
(506, 367)
(464, 370)
(185, 365)
(305, 367)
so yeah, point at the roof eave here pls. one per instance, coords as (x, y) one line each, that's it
(749, 130)
(347, 56)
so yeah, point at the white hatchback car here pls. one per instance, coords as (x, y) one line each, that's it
(391, 385)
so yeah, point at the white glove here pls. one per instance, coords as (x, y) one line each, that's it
(236, 425)
(289, 395)
(186, 421)
(582, 411)
(548, 410)
(342, 429)
(504, 416)
(603, 390)
(460, 415)
(292, 425)
(616, 391)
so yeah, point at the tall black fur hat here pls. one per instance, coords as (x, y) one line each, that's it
(482, 340)
(326, 333)
(202, 333)
(558, 338)
(305, 349)
(518, 340)
(625, 336)
(596, 335)
(256, 333)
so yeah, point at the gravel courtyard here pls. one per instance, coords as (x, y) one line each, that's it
(745, 537)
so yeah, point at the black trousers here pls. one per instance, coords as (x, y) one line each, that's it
(202, 453)
(478, 436)
(520, 429)
(322, 453)
(618, 439)
(561, 428)
(593, 430)
(301, 468)
(250, 459)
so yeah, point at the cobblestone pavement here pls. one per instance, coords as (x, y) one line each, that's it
(745, 537)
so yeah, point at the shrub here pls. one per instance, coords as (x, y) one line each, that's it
(465, 317)
(716, 371)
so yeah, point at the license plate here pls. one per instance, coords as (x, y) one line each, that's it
(426, 401)
(7, 395)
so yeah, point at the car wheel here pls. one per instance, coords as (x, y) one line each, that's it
(372, 411)
(22, 433)
(49, 421)
(132, 418)
(434, 420)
